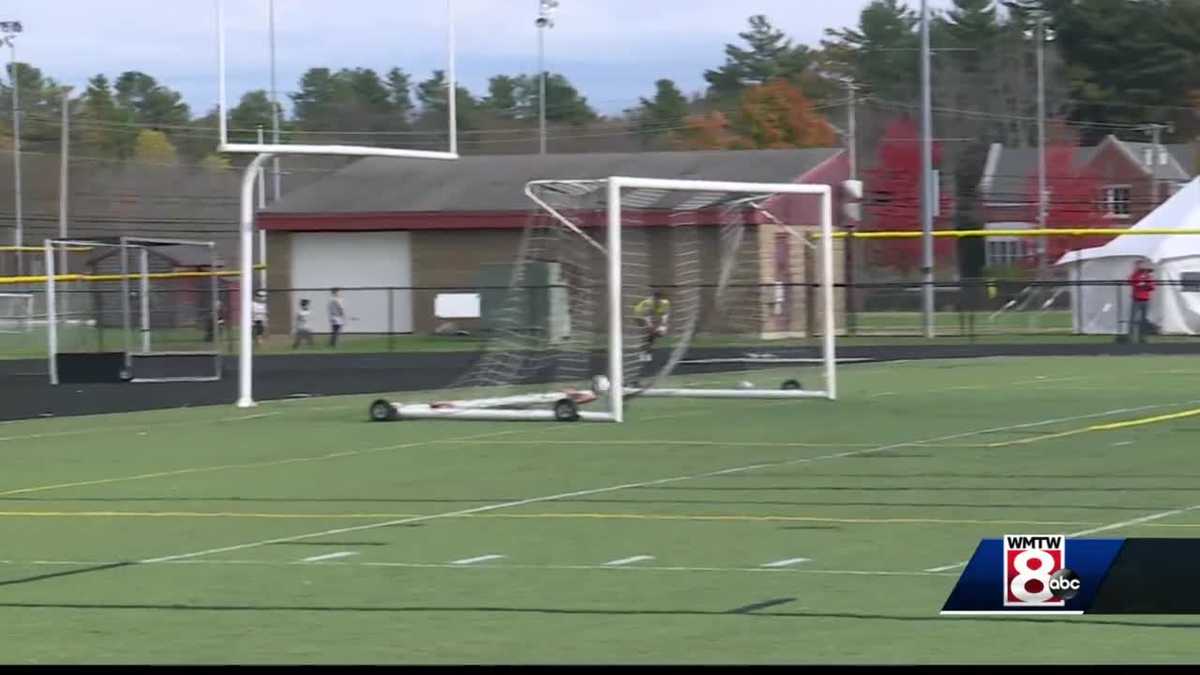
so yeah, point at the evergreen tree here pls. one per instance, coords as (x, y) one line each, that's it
(768, 55)
(664, 115)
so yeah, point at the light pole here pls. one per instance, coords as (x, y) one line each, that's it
(545, 20)
(927, 288)
(277, 182)
(64, 173)
(1043, 206)
(10, 30)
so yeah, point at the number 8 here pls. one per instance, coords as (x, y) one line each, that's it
(1027, 574)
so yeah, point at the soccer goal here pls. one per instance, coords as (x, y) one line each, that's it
(16, 313)
(137, 310)
(633, 287)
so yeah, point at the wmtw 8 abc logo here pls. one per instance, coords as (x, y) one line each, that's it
(1036, 572)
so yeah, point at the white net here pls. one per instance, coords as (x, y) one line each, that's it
(708, 279)
(16, 313)
(154, 302)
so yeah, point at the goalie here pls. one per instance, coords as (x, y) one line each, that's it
(651, 315)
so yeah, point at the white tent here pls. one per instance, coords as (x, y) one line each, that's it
(1103, 308)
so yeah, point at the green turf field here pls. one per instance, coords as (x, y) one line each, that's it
(698, 532)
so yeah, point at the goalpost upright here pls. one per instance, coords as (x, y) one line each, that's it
(264, 152)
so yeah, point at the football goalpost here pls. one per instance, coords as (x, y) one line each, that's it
(570, 329)
(128, 314)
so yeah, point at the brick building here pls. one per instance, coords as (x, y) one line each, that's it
(409, 231)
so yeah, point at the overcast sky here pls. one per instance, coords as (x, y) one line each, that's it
(613, 50)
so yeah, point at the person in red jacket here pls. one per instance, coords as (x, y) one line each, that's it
(1142, 283)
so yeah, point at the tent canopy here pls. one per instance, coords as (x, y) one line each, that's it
(1180, 212)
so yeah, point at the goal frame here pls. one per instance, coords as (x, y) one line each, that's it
(133, 348)
(616, 390)
(28, 317)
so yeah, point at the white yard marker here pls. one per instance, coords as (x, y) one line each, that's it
(629, 560)
(787, 563)
(624, 486)
(329, 556)
(472, 561)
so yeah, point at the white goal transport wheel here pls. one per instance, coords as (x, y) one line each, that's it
(383, 411)
(792, 385)
(566, 410)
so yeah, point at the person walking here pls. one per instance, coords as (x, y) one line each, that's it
(337, 317)
(303, 330)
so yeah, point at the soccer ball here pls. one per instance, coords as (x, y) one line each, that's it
(745, 385)
(600, 384)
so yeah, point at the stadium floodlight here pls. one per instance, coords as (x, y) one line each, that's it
(583, 309)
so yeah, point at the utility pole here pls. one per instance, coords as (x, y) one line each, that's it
(545, 20)
(10, 30)
(1043, 206)
(277, 187)
(64, 176)
(852, 126)
(262, 234)
(927, 287)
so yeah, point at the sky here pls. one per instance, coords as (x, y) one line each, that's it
(613, 50)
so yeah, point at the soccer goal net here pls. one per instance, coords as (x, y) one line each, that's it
(138, 309)
(16, 313)
(625, 288)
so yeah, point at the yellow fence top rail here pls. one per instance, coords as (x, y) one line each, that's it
(77, 278)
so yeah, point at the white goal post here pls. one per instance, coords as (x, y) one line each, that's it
(612, 389)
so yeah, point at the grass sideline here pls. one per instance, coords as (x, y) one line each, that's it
(699, 532)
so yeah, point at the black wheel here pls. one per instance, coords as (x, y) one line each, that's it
(566, 411)
(792, 385)
(383, 411)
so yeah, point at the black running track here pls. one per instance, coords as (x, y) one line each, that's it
(25, 392)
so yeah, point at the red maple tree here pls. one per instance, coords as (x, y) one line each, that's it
(1072, 199)
(892, 202)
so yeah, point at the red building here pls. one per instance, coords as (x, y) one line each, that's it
(1110, 185)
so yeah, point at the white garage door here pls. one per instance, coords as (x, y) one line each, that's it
(378, 260)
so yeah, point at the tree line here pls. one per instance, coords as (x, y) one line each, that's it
(1111, 65)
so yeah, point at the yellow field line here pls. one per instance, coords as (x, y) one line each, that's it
(537, 516)
(1111, 426)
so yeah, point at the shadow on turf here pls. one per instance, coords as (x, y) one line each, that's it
(748, 610)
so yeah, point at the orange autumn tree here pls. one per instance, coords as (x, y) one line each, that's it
(771, 115)
(778, 115)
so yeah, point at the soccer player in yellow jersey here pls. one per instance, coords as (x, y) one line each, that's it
(651, 314)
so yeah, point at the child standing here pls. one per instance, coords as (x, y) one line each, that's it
(303, 330)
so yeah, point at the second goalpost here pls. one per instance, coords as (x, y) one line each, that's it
(636, 287)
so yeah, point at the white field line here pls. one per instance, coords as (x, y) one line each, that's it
(133, 427)
(330, 556)
(627, 486)
(787, 562)
(1096, 530)
(477, 559)
(629, 560)
(502, 567)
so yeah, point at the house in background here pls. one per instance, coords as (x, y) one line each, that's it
(1111, 185)
(413, 233)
